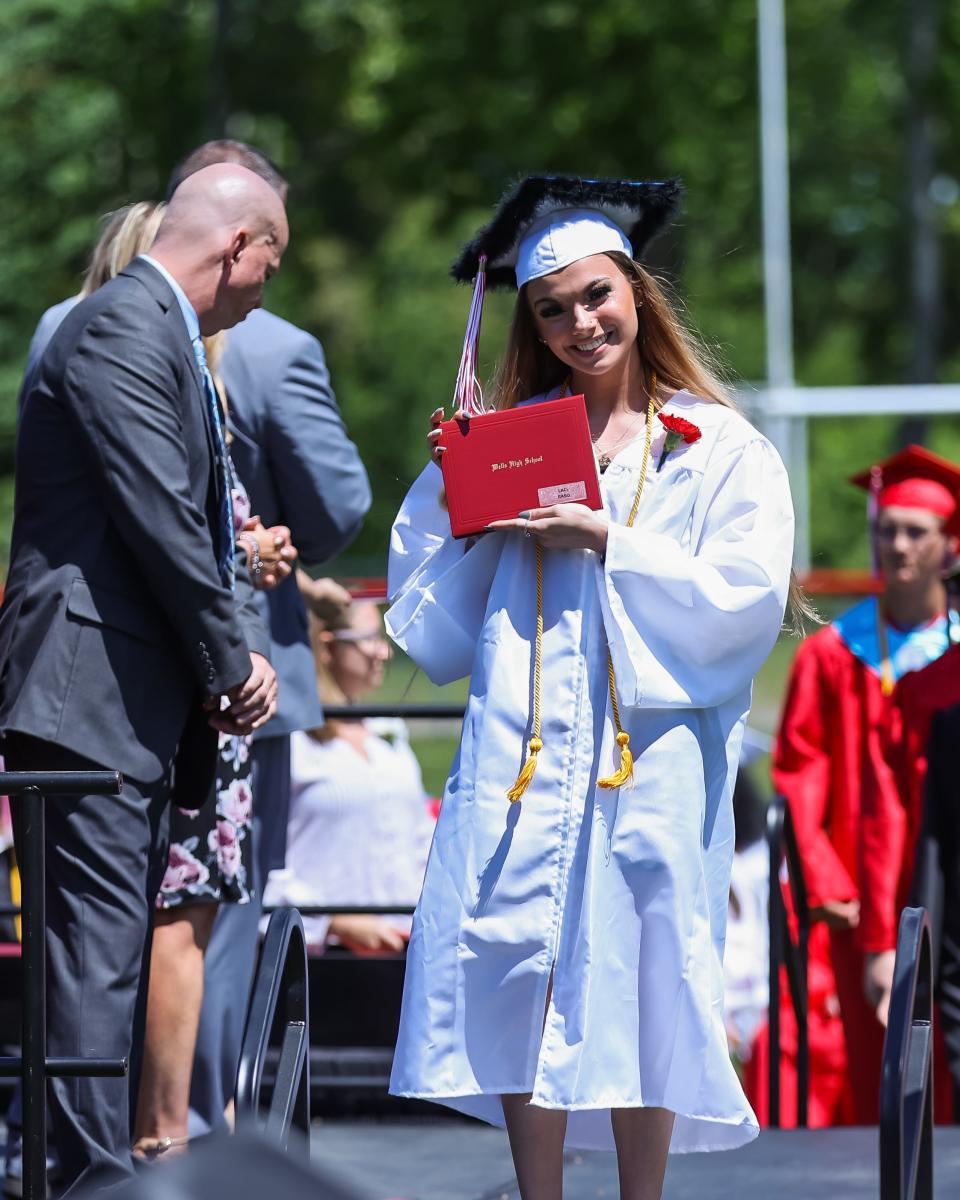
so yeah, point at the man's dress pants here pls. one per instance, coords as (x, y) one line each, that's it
(105, 859)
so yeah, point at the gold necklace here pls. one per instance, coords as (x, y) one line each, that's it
(603, 457)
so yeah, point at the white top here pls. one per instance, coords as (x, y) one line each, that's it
(359, 828)
(745, 961)
(620, 895)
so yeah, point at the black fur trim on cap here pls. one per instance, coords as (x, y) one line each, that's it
(641, 209)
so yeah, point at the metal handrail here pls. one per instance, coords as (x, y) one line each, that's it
(409, 712)
(346, 910)
(906, 1082)
(33, 1067)
(784, 951)
(280, 988)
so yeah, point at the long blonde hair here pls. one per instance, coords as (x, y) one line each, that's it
(679, 359)
(129, 231)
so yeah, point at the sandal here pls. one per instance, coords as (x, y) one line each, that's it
(149, 1149)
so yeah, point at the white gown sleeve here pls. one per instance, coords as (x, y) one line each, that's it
(689, 627)
(437, 588)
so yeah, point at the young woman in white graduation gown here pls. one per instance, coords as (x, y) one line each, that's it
(564, 975)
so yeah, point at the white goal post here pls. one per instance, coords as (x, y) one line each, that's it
(782, 413)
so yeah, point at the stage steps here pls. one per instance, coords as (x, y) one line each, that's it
(449, 1160)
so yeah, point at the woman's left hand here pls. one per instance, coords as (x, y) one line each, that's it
(278, 555)
(561, 527)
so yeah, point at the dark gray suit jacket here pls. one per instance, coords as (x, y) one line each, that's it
(300, 469)
(115, 624)
(936, 878)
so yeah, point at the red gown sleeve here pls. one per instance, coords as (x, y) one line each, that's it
(802, 767)
(883, 831)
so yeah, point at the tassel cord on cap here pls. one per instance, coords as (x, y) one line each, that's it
(536, 743)
(468, 394)
(873, 512)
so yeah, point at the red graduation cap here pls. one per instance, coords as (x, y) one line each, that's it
(915, 478)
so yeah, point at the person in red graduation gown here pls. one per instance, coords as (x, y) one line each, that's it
(893, 791)
(839, 702)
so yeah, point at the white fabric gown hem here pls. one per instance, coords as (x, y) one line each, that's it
(743, 1129)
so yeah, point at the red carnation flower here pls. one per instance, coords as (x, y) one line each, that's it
(679, 432)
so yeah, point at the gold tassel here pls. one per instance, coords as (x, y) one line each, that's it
(623, 777)
(526, 771)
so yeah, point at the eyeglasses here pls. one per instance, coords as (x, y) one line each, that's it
(371, 644)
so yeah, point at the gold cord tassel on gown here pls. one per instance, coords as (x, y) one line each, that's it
(536, 744)
(623, 777)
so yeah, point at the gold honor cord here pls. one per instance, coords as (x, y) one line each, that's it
(887, 680)
(624, 775)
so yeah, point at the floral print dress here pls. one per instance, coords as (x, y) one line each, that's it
(210, 860)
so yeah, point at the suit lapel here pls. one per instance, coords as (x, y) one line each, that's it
(161, 291)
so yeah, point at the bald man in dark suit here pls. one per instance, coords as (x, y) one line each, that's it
(124, 625)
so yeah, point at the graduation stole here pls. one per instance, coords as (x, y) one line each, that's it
(624, 775)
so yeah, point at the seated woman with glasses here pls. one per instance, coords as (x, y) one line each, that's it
(359, 827)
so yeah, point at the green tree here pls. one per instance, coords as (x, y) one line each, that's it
(399, 125)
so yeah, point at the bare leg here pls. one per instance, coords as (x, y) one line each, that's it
(174, 997)
(536, 1142)
(642, 1136)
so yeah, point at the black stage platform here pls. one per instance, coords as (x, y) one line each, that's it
(448, 1160)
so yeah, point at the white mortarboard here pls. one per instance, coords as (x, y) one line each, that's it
(564, 236)
(581, 216)
(543, 224)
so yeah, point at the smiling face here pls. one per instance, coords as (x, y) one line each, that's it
(587, 315)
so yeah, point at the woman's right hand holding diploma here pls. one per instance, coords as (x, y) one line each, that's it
(433, 437)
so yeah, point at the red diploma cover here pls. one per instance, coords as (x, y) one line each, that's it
(500, 463)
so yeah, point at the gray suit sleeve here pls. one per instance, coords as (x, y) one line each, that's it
(122, 388)
(322, 486)
(47, 326)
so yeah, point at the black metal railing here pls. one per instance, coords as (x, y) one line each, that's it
(409, 712)
(346, 910)
(906, 1085)
(278, 1017)
(33, 1067)
(787, 951)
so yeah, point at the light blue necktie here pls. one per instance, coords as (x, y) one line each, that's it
(225, 547)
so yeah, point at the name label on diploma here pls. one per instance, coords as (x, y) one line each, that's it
(562, 493)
